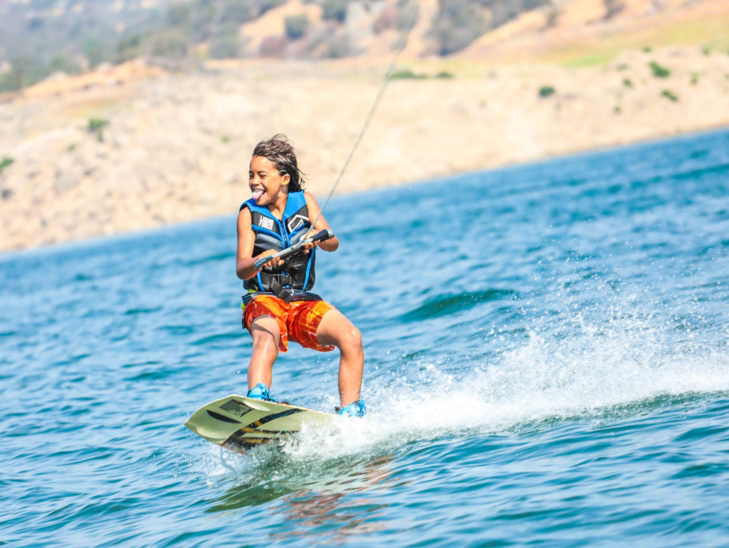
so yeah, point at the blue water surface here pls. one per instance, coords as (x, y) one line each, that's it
(547, 363)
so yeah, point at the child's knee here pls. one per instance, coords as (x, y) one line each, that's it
(351, 340)
(265, 342)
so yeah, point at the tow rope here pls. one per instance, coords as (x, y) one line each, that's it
(378, 97)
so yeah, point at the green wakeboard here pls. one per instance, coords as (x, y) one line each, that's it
(240, 423)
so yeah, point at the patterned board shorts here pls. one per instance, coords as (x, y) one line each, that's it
(297, 320)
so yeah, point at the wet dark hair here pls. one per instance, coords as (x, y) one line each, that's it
(280, 152)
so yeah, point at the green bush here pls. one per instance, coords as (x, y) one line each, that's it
(62, 63)
(338, 46)
(627, 82)
(10, 82)
(225, 44)
(668, 94)
(5, 163)
(96, 126)
(128, 48)
(238, 11)
(406, 74)
(546, 91)
(296, 26)
(94, 50)
(24, 72)
(173, 43)
(334, 10)
(659, 71)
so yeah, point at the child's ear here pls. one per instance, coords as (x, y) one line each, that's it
(286, 178)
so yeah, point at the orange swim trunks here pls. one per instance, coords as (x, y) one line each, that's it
(297, 320)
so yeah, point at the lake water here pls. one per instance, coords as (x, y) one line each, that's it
(547, 362)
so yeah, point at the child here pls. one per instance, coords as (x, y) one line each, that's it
(278, 306)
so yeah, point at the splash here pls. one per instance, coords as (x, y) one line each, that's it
(574, 361)
(597, 370)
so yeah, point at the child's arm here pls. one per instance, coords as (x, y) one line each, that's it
(321, 224)
(245, 262)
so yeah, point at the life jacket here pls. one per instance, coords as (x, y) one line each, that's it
(297, 272)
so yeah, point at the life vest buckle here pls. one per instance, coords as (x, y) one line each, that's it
(286, 294)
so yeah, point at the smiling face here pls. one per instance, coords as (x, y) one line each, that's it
(268, 186)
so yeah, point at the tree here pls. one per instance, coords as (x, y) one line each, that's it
(296, 26)
(458, 23)
(335, 10)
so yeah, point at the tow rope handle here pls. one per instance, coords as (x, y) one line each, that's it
(318, 237)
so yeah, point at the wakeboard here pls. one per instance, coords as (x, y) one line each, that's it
(241, 423)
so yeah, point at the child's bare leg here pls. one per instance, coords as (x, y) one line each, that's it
(336, 329)
(266, 335)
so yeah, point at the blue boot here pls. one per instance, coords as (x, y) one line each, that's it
(260, 392)
(354, 409)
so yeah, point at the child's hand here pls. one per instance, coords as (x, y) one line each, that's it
(311, 245)
(272, 263)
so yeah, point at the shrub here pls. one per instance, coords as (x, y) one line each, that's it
(296, 26)
(225, 44)
(128, 48)
(668, 94)
(5, 163)
(62, 63)
(444, 74)
(238, 11)
(94, 50)
(96, 126)
(612, 8)
(336, 46)
(627, 82)
(546, 91)
(457, 24)
(169, 43)
(24, 72)
(406, 74)
(659, 71)
(334, 10)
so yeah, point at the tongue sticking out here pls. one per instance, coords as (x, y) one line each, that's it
(257, 193)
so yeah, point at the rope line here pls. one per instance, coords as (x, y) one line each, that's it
(373, 108)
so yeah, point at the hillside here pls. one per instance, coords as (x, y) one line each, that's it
(136, 145)
(43, 37)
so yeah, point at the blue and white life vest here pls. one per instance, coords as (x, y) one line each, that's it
(297, 272)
